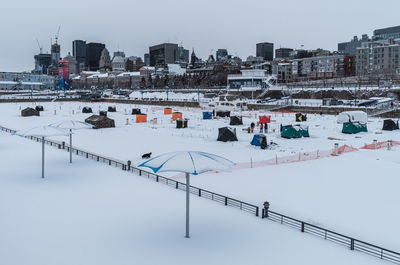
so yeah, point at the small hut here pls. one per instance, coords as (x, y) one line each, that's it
(176, 116)
(103, 113)
(39, 108)
(141, 118)
(181, 124)
(300, 117)
(136, 111)
(29, 112)
(223, 113)
(87, 110)
(207, 115)
(99, 121)
(167, 111)
(227, 134)
(236, 120)
(112, 109)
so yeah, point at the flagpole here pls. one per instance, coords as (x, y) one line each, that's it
(187, 204)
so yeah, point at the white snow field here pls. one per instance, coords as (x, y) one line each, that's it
(355, 194)
(90, 213)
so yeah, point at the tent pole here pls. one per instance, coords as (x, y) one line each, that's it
(187, 203)
(70, 145)
(42, 157)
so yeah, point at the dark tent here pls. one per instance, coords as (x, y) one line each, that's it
(235, 120)
(181, 124)
(227, 134)
(301, 117)
(136, 111)
(112, 109)
(29, 112)
(100, 121)
(207, 115)
(223, 114)
(103, 113)
(39, 108)
(259, 140)
(87, 110)
(390, 125)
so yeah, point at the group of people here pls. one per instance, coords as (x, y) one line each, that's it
(263, 127)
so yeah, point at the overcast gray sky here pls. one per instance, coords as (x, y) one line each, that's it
(205, 25)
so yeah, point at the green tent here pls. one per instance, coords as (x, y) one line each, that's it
(294, 131)
(354, 127)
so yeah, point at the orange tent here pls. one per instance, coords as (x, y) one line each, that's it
(177, 116)
(167, 111)
(141, 118)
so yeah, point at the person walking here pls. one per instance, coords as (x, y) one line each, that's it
(252, 125)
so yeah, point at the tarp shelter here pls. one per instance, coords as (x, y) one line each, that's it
(99, 122)
(181, 124)
(136, 111)
(29, 112)
(390, 125)
(112, 109)
(352, 116)
(294, 131)
(354, 127)
(259, 139)
(87, 110)
(103, 113)
(207, 115)
(167, 111)
(177, 116)
(141, 118)
(227, 134)
(39, 108)
(236, 120)
(264, 119)
(223, 113)
(300, 117)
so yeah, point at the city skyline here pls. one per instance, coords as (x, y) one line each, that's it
(206, 26)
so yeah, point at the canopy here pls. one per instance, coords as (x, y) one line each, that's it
(264, 119)
(258, 139)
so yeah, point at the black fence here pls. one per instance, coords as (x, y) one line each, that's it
(351, 243)
(244, 206)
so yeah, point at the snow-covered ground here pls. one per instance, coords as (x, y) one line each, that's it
(90, 213)
(355, 194)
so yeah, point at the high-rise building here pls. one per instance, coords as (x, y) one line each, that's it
(265, 50)
(387, 33)
(283, 53)
(42, 63)
(221, 54)
(72, 64)
(79, 52)
(55, 54)
(163, 54)
(147, 59)
(93, 53)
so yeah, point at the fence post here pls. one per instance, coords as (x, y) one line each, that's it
(375, 144)
(140, 172)
(199, 192)
(176, 184)
(257, 209)
(226, 200)
(129, 165)
(352, 244)
(389, 145)
(302, 227)
(336, 149)
(63, 145)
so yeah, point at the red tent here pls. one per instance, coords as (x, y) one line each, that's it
(265, 119)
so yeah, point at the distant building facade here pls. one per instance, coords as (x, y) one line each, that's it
(221, 54)
(283, 53)
(72, 64)
(163, 54)
(265, 50)
(42, 63)
(12, 80)
(387, 33)
(350, 47)
(79, 52)
(146, 58)
(93, 54)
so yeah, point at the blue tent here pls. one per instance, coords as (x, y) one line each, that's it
(257, 139)
(207, 115)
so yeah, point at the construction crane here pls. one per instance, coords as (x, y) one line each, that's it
(40, 47)
(58, 32)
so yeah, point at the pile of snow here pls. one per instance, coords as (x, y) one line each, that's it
(163, 96)
(352, 116)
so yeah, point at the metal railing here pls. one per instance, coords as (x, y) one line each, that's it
(351, 243)
(225, 200)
